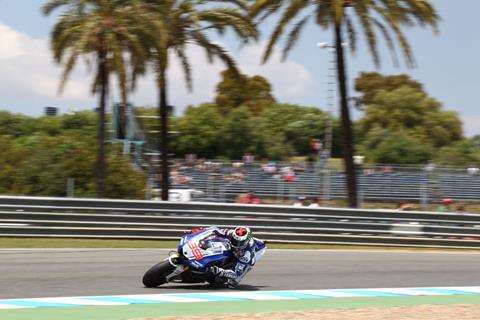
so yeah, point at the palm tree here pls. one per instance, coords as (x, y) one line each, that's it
(175, 24)
(345, 16)
(101, 31)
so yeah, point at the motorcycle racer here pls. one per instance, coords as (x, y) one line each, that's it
(216, 255)
(245, 252)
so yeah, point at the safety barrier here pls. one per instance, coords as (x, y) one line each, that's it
(126, 219)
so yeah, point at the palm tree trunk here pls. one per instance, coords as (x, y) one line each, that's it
(101, 163)
(163, 142)
(347, 135)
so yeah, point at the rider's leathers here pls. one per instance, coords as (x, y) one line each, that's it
(246, 258)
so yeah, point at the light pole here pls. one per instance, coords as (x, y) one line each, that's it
(328, 136)
(330, 100)
(331, 85)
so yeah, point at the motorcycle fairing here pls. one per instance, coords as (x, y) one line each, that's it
(204, 249)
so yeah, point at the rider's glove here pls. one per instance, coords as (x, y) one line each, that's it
(216, 271)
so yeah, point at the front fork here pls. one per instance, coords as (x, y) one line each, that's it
(179, 267)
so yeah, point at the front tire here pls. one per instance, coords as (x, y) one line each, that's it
(157, 275)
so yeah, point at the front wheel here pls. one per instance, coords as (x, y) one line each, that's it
(157, 275)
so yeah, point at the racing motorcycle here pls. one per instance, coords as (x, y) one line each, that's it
(197, 252)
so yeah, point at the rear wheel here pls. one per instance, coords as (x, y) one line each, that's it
(157, 274)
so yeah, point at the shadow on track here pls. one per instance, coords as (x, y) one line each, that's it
(209, 287)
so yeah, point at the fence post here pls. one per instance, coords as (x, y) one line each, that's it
(70, 187)
(424, 194)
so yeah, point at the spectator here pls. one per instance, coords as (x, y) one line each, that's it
(248, 159)
(190, 159)
(288, 174)
(387, 169)
(316, 203)
(299, 167)
(316, 145)
(251, 198)
(237, 177)
(255, 200)
(404, 206)
(183, 180)
(446, 205)
(299, 202)
(237, 164)
(269, 168)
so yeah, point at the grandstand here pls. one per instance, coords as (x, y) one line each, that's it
(400, 183)
(225, 181)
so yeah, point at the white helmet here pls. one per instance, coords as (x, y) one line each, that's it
(241, 237)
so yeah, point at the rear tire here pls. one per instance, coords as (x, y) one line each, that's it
(157, 274)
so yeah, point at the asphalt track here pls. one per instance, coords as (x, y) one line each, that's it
(80, 272)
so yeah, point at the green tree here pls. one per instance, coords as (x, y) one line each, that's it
(51, 126)
(47, 162)
(465, 152)
(200, 131)
(101, 31)
(123, 180)
(370, 83)
(310, 125)
(174, 24)
(79, 121)
(384, 146)
(237, 90)
(290, 126)
(411, 111)
(52, 160)
(238, 134)
(387, 16)
(15, 125)
(12, 155)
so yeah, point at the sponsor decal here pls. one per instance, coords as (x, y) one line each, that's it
(197, 253)
(245, 258)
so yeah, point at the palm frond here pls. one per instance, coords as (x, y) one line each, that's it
(293, 36)
(52, 5)
(362, 12)
(187, 68)
(352, 34)
(243, 4)
(267, 7)
(223, 18)
(390, 44)
(214, 50)
(395, 15)
(290, 13)
(395, 26)
(67, 69)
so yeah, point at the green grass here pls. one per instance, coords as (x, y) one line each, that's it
(152, 311)
(19, 243)
(83, 243)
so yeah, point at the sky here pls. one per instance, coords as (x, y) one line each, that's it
(447, 65)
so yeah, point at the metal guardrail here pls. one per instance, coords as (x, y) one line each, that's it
(124, 219)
